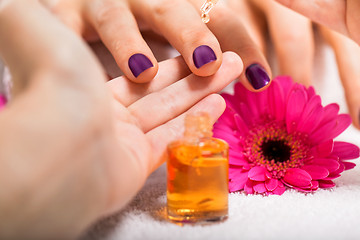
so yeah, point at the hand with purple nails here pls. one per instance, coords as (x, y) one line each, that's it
(293, 43)
(118, 24)
(73, 148)
(343, 17)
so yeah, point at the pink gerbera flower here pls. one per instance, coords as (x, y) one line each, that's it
(283, 138)
(2, 101)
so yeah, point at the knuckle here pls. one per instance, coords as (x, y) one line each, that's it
(162, 8)
(192, 35)
(169, 103)
(107, 12)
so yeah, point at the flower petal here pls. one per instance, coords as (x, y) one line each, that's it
(323, 149)
(337, 171)
(349, 165)
(280, 189)
(227, 118)
(261, 100)
(236, 158)
(311, 115)
(330, 112)
(271, 184)
(297, 177)
(259, 187)
(231, 102)
(331, 164)
(345, 150)
(241, 124)
(331, 177)
(295, 106)
(322, 133)
(311, 92)
(236, 185)
(316, 172)
(229, 137)
(286, 84)
(276, 101)
(326, 184)
(245, 113)
(315, 185)
(343, 121)
(235, 173)
(240, 91)
(257, 173)
(248, 188)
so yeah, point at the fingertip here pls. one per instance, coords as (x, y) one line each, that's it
(221, 105)
(234, 60)
(142, 68)
(256, 78)
(354, 112)
(205, 60)
(213, 104)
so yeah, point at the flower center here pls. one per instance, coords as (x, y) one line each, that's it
(271, 146)
(276, 150)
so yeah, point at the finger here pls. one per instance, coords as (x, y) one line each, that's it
(224, 21)
(128, 92)
(253, 20)
(347, 55)
(293, 42)
(44, 52)
(329, 13)
(118, 30)
(161, 136)
(68, 12)
(178, 97)
(181, 25)
(353, 19)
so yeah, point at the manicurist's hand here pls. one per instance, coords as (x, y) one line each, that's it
(72, 148)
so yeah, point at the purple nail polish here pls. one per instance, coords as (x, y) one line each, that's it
(203, 55)
(257, 76)
(139, 63)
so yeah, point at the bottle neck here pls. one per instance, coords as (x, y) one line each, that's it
(198, 126)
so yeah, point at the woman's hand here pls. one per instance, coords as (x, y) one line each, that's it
(340, 15)
(71, 151)
(292, 36)
(118, 23)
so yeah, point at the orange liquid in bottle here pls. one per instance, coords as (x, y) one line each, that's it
(197, 187)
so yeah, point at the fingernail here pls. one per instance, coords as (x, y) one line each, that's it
(139, 63)
(203, 55)
(257, 76)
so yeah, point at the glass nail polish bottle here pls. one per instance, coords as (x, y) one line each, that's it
(197, 174)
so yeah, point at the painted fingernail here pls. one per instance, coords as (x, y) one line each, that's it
(203, 55)
(257, 76)
(139, 63)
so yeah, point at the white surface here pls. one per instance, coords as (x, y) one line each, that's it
(326, 214)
